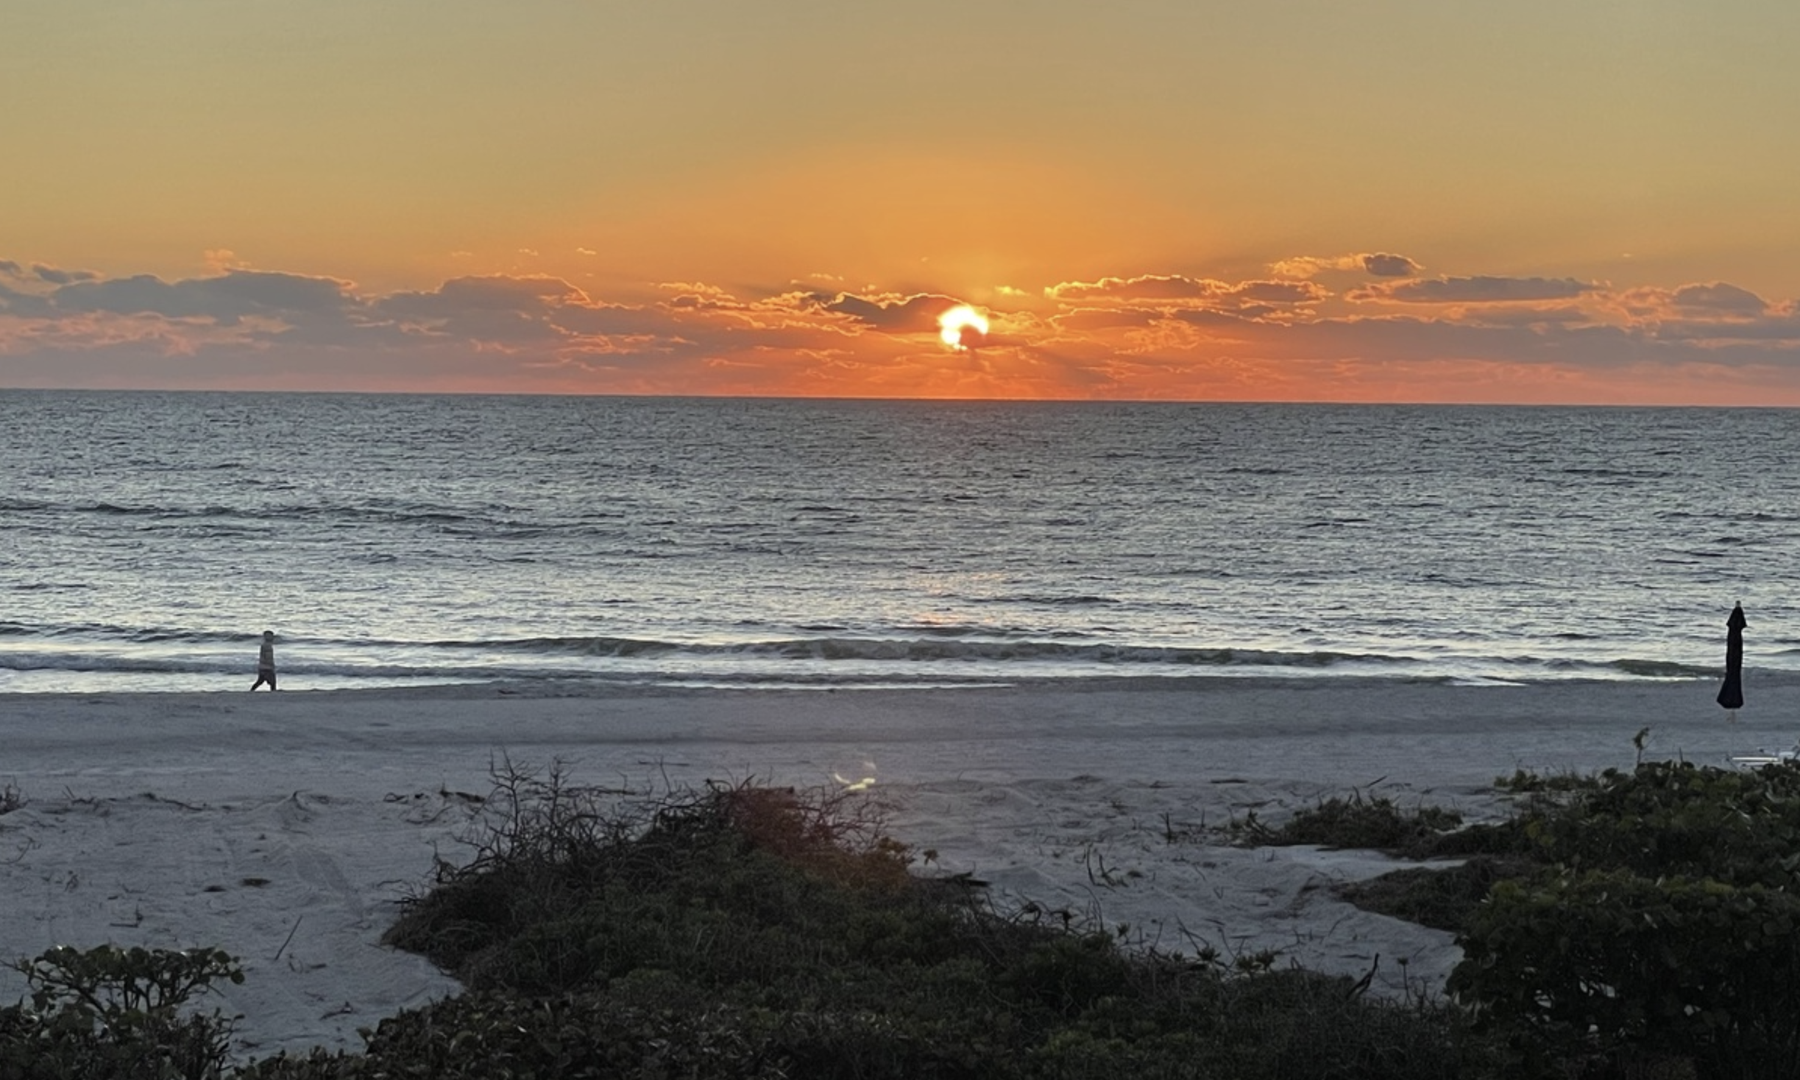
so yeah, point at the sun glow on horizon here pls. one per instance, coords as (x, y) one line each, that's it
(960, 323)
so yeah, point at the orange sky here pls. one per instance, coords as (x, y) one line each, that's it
(1301, 200)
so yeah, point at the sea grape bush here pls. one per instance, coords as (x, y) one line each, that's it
(1664, 924)
(109, 1013)
(1670, 967)
(1679, 819)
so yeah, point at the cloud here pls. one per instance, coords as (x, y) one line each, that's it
(1144, 335)
(219, 260)
(612, 320)
(1718, 298)
(1142, 287)
(524, 313)
(892, 314)
(24, 305)
(226, 298)
(40, 273)
(491, 309)
(1088, 320)
(61, 277)
(1717, 314)
(1708, 304)
(1279, 292)
(1305, 266)
(1378, 264)
(1381, 264)
(1177, 290)
(495, 292)
(1473, 290)
(1545, 313)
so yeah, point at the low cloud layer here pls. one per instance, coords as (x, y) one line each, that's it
(1367, 326)
(1164, 289)
(1375, 264)
(1474, 290)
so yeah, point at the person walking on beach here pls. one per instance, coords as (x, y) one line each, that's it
(265, 662)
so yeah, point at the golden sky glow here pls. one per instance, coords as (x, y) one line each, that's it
(1578, 200)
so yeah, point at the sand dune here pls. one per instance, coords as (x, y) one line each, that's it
(283, 828)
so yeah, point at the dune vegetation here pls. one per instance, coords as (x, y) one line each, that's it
(1629, 924)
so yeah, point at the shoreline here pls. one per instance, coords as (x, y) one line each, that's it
(148, 815)
(905, 676)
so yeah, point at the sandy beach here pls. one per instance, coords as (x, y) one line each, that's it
(284, 827)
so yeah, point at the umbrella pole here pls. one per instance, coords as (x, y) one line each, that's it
(1731, 694)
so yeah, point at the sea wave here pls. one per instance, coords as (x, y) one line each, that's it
(1661, 669)
(605, 656)
(108, 634)
(504, 522)
(929, 649)
(372, 673)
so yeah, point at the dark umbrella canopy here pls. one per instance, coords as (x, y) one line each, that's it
(1731, 694)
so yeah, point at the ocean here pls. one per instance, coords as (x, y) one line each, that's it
(147, 540)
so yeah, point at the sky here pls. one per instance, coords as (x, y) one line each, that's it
(1542, 201)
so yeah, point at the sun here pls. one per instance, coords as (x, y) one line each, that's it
(962, 327)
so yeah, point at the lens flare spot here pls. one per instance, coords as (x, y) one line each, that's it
(848, 784)
(962, 327)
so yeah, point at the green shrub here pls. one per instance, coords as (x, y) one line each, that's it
(1375, 824)
(115, 1014)
(559, 871)
(1679, 819)
(1610, 963)
(1524, 782)
(1657, 926)
(480, 1036)
(1442, 898)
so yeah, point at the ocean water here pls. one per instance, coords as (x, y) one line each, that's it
(147, 539)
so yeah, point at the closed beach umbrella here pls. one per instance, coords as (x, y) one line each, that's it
(1731, 694)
